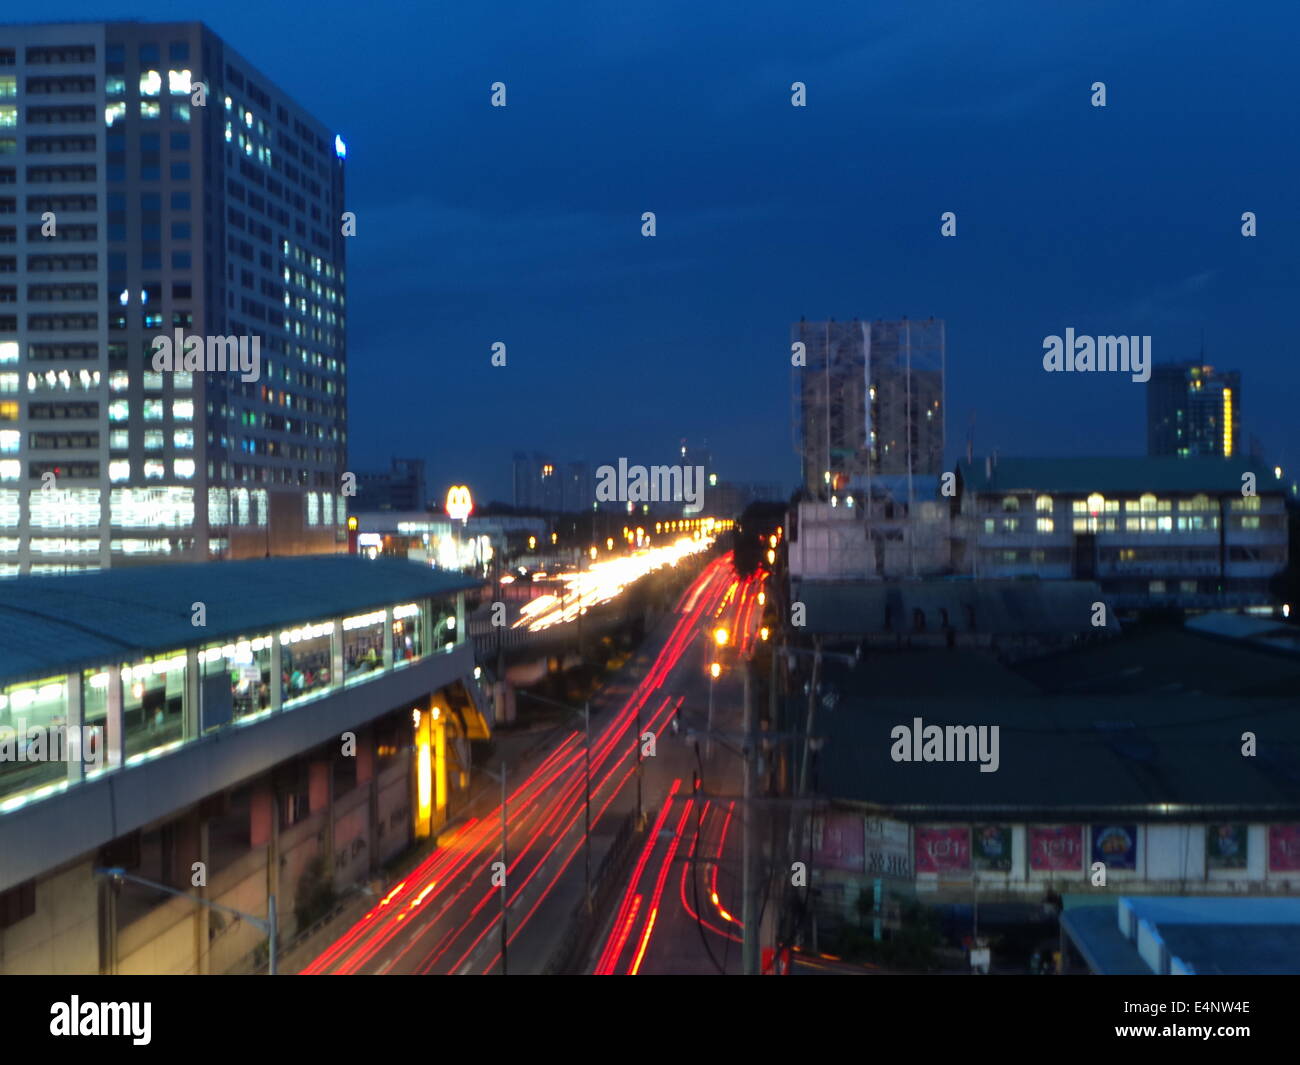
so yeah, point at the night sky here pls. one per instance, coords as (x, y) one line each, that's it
(478, 224)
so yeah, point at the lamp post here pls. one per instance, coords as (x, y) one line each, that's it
(268, 924)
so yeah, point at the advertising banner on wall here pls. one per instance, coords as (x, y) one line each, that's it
(1116, 845)
(1226, 846)
(991, 847)
(837, 841)
(942, 848)
(888, 853)
(1056, 848)
(1283, 848)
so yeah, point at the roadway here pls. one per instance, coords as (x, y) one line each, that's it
(444, 916)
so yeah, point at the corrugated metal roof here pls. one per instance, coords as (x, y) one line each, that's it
(1116, 474)
(53, 624)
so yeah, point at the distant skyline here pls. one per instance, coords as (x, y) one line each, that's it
(523, 224)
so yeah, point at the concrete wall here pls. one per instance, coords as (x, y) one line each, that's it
(62, 936)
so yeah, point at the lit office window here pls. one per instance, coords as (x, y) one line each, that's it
(184, 468)
(119, 410)
(182, 410)
(154, 470)
(119, 470)
(218, 506)
(183, 439)
(178, 82)
(153, 440)
(66, 508)
(150, 83)
(153, 410)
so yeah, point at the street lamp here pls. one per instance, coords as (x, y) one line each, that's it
(268, 924)
(721, 636)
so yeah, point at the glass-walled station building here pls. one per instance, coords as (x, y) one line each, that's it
(280, 726)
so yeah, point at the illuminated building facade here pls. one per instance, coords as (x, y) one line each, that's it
(220, 744)
(1152, 532)
(1193, 409)
(137, 209)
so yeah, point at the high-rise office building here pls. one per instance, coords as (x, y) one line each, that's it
(162, 193)
(1192, 409)
(869, 401)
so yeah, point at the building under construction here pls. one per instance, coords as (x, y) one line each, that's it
(869, 404)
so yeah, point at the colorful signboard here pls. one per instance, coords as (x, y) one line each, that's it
(991, 848)
(1283, 848)
(942, 848)
(838, 841)
(888, 853)
(1116, 845)
(459, 502)
(1226, 846)
(1056, 848)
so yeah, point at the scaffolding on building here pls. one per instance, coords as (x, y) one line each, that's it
(868, 409)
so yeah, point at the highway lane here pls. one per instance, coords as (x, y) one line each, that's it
(444, 916)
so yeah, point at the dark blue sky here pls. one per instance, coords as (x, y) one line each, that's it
(522, 224)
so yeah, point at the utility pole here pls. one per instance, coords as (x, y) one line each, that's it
(640, 812)
(505, 867)
(501, 654)
(749, 949)
(586, 717)
(812, 709)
